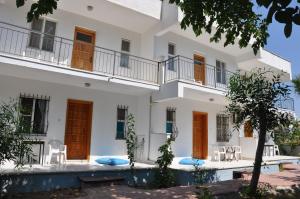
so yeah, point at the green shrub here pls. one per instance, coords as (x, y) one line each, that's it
(164, 176)
(131, 143)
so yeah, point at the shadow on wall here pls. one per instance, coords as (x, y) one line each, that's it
(35, 182)
(198, 176)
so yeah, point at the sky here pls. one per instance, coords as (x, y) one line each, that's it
(288, 48)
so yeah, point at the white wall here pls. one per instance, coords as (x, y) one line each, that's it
(103, 140)
(182, 147)
(107, 36)
(148, 7)
(188, 48)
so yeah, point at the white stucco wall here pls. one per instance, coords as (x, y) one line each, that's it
(103, 142)
(187, 47)
(182, 147)
(148, 7)
(107, 36)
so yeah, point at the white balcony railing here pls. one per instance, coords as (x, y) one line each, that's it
(19, 41)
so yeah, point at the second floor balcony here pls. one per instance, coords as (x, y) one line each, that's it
(79, 54)
(196, 71)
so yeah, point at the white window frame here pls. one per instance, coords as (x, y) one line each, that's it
(173, 110)
(125, 53)
(171, 62)
(32, 115)
(221, 131)
(124, 121)
(223, 70)
(42, 33)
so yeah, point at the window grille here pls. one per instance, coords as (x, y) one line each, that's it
(34, 114)
(122, 113)
(170, 119)
(223, 128)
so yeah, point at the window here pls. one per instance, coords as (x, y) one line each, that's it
(43, 34)
(170, 119)
(222, 128)
(171, 54)
(125, 48)
(34, 115)
(221, 72)
(121, 122)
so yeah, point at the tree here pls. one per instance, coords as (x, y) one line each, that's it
(296, 82)
(236, 19)
(131, 139)
(252, 97)
(12, 136)
(39, 8)
(164, 177)
(131, 143)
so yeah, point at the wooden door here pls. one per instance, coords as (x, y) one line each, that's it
(199, 68)
(78, 129)
(248, 130)
(83, 49)
(200, 135)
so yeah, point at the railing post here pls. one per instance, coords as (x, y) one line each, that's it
(215, 76)
(178, 67)
(59, 51)
(114, 64)
(158, 70)
(165, 72)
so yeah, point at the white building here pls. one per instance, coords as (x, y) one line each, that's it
(81, 70)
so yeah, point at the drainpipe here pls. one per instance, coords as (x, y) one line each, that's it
(150, 124)
(160, 59)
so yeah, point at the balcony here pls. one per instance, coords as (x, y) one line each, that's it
(25, 44)
(185, 69)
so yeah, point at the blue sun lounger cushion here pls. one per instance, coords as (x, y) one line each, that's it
(112, 161)
(191, 161)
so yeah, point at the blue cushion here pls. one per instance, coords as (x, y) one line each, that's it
(112, 161)
(191, 161)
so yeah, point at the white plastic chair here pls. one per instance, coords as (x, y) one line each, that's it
(218, 151)
(238, 152)
(57, 148)
(276, 150)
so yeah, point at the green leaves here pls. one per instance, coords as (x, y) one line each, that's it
(20, 3)
(253, 97)
(288, 29)
(236, 19)
(284, 14)
(12, 145)
(164, 177)
(131, 140)
(232, 20)
(296, 83)
(39, 8)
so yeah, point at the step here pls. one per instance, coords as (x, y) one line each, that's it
(239, 173)
(100, 179)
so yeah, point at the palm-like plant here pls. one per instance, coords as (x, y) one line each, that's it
(296, 82)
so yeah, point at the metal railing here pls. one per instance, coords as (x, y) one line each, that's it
(37, 46)
(286, 103)
(183, 68)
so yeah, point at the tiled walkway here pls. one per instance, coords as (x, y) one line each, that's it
(290, 176)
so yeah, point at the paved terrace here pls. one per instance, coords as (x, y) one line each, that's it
(72, 166)
(289, 177)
